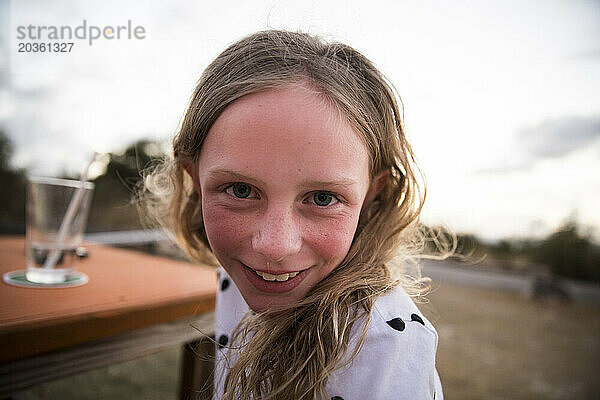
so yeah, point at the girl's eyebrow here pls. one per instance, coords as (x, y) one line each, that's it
(225, 173)
(341, 184)
(332, 184)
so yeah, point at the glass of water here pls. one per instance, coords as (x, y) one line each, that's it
(52, 239)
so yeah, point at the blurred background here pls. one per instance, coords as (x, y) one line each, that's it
(502, 106)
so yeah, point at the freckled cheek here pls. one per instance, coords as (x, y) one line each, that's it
(332, 240)
(225, 230)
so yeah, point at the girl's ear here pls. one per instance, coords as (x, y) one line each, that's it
(192, 171)
(377, 186)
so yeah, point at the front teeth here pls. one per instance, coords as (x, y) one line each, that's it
(279, 278)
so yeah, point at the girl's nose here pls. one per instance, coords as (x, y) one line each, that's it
(277, 235)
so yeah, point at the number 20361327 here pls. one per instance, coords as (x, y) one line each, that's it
(26, 47)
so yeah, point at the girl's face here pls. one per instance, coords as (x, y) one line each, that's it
(283, 178)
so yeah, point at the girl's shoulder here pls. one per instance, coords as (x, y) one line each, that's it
(395, 312)
(397, 357)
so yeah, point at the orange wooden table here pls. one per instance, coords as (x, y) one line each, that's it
(133, 304)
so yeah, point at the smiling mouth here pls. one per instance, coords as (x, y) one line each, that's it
(279, 278)
(275, 284)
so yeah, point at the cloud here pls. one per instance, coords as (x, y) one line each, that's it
(559, 137)
(551, 139)
(587, 55)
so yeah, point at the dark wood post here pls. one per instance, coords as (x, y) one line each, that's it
(197, 366)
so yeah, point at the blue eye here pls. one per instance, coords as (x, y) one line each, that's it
(323, 199)
(239, 190)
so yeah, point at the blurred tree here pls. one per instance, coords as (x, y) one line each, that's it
(569, 253)
(5, 151)
(566, 252)
(12, 182)
(504, 246)
(112, 205)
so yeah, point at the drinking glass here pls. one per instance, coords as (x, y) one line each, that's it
(57, 211)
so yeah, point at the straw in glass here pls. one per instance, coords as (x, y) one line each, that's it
(68, 218)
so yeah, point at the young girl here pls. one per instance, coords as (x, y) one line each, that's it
(292, 172)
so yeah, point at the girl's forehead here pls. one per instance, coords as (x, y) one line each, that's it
(299, 96)
(291, 114)
(284, 126)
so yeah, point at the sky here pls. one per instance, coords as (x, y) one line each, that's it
(501, 98)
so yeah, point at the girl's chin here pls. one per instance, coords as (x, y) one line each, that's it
(268, 303)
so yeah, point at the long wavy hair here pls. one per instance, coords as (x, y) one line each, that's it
(289, 353)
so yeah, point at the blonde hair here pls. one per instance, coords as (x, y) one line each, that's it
(289, 353)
